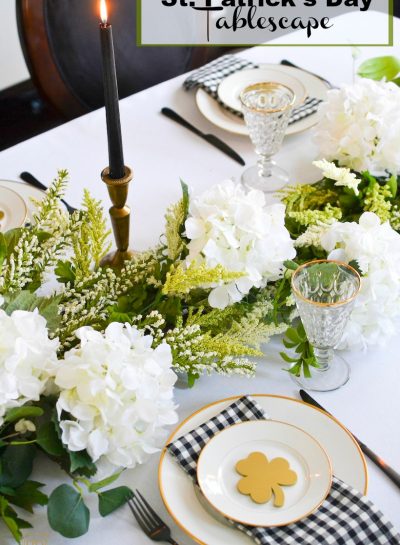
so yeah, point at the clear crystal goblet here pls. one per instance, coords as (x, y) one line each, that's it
(325, 293)
(266, 108)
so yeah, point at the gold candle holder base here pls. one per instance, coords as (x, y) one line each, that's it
(120, 216)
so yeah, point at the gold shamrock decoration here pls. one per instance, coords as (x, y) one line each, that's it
(261, 478)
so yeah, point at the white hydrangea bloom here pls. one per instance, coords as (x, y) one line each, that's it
(360, 127)
(119, 392)
(232, 227)
(28, 359)
(376, 248)
(341, 175)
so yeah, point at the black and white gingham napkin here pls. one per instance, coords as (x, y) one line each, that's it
(209, 77)
(346, 517)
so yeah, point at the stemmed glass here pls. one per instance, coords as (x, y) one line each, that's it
(325, 293)
(266, 109)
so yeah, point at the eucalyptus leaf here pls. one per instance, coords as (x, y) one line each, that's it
(379, 68)
(110, 500)
(16, 465)
(67, 512)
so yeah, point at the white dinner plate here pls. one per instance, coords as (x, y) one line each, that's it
(230, 88)
(250, 453)
(222, 118)
(13, 209)
(179, 493)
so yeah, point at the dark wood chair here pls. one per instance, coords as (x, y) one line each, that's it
(60, 40)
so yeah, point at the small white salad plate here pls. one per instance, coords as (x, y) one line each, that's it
(230, 88)
(218, 478)
(224, 119)
(13, 209)
(195, 515)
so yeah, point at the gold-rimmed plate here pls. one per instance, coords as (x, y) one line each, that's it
(179, 493)
(222, 118)
(231, 87)
(260, 446)
(13, 209)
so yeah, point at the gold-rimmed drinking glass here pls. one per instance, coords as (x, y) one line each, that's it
(325, 292)
(266, 108)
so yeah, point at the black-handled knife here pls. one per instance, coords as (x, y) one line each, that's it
(210, 138)
(389, 471)
(31, 180)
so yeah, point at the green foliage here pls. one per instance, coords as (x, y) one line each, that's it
(89, 243)
(27, 411)
(175, 218)
(67, 512)
(15, 468)
(379, 68)
(11, 519)
(16, 464)
(81, 463)
(48, 439)
(312, 208)
(296, 340)
(28, 495)
(29, 252)
(110, 500)
(94, 487)
(25, 300)
(181, 280)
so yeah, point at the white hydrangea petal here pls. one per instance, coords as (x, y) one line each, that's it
(219, 297)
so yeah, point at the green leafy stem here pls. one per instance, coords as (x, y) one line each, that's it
(296, 340)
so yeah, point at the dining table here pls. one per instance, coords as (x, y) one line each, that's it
(161, 153)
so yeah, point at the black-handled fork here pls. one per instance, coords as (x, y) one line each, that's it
(148, 520)
(31, 180)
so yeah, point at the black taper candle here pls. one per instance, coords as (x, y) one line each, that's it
(115, 150)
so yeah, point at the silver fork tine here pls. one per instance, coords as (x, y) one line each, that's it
(146, 516)
(156, 517)
(138, 517)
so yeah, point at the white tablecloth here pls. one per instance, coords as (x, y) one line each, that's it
(160, 153)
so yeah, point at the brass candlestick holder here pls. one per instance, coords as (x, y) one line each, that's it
(120, 216)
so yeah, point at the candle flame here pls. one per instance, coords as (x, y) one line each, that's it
(103, 12)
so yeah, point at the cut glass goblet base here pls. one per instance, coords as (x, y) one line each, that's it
(337, 374)
(277, 179)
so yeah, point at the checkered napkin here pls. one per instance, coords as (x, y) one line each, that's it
(209, 77)
(345, 517)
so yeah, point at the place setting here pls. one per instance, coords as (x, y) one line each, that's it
(110, 356)
(240, 97)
